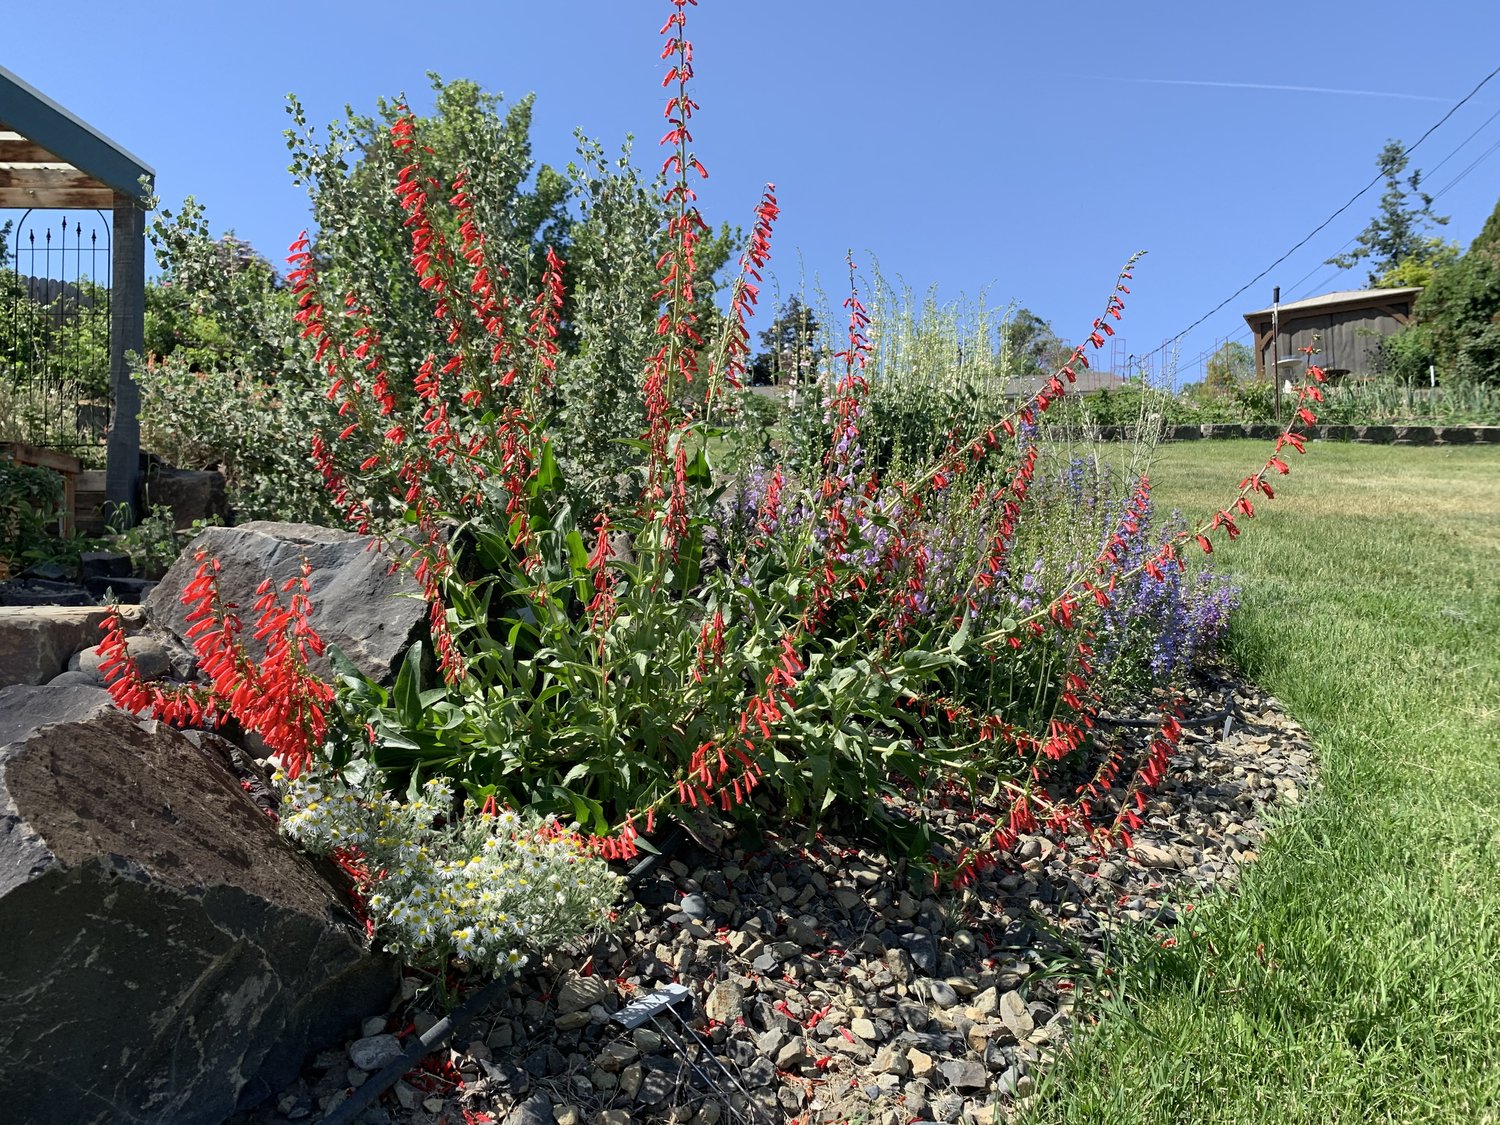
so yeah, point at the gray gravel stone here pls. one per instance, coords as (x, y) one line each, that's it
(374, 1051)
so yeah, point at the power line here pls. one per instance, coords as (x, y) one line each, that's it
(1485, 155)
(1295, 286)
(1352, 200)
(1463, 142)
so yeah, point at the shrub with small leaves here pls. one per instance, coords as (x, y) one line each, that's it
(439, 882)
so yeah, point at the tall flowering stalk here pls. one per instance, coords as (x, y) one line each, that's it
(676, 357)
(730, 357)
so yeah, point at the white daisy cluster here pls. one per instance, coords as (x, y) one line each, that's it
(482, 888)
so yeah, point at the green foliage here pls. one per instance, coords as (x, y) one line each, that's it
(1459, 313)
(1406, 357)
(217, 305)
(791, 354)
(64, 339)
(54, 362)
(1420, 270)
(222, 385)
(1231, 365)
(608, 328)
(936, 371)
(1255, 402)
(226, 387)
(349, 174)
(251, 428)
(1029, 348)
(154, 542)
(1394, 244)
(31, 500)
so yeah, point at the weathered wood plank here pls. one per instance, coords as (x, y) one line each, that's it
(16, 149)
(23, 454)
(56, 197)
(42, 177)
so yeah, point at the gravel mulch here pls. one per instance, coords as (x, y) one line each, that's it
(822, 985)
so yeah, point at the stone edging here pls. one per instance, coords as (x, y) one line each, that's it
(1370, 435)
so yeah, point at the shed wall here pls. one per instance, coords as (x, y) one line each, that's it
(1349, 339)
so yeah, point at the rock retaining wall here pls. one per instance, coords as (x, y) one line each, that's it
(1369, 435)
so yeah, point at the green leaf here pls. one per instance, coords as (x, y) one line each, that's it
(345, 668)
(407, 690)
(960, 638)
(578, 554)
(547, 476)
(699, 471)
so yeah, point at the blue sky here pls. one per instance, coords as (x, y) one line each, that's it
(1022, 150)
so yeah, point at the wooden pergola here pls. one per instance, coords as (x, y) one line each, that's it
(51, 159)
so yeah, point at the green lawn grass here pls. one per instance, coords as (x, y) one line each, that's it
(1355, 974)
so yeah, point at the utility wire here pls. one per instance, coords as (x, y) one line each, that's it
(1463, 142)
(1352, 200)
(1294, 286)
(1485, 155)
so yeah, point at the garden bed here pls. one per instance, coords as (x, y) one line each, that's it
(827, 985)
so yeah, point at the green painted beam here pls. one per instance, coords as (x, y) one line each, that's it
(26, 110)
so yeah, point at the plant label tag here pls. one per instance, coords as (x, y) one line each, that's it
(637, 1012)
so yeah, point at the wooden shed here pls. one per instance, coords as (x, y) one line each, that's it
(1346, 327)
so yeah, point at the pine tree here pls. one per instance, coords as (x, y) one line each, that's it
(1396, 235)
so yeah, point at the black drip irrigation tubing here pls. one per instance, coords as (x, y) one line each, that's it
(421, 1046)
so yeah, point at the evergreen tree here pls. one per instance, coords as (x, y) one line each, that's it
(1396, 235)
(791, 351)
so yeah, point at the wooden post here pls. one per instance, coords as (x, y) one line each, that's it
(127, 333)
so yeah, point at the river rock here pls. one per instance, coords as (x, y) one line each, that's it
(36, 641)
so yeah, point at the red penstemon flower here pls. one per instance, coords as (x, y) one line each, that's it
(277, 697)
(676, 357)
(601, 607)
(734, 348)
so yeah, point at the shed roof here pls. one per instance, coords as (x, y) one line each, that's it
(51, 158)
(1344, 298)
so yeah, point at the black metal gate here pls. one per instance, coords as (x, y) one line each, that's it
(54, 332)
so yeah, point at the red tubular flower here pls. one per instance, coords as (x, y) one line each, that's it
(735, 348)
(677, 355)
(546, 314)
(677, 508)
(601, 607)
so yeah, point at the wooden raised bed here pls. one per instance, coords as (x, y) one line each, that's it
(69, 467)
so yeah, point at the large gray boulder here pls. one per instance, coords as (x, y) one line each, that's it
(36, 641)
(192, 494)
(358, 605)
(25, 707)
(164, 956)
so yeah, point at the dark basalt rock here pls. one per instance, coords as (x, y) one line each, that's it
(358, 605)
(164, 955)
